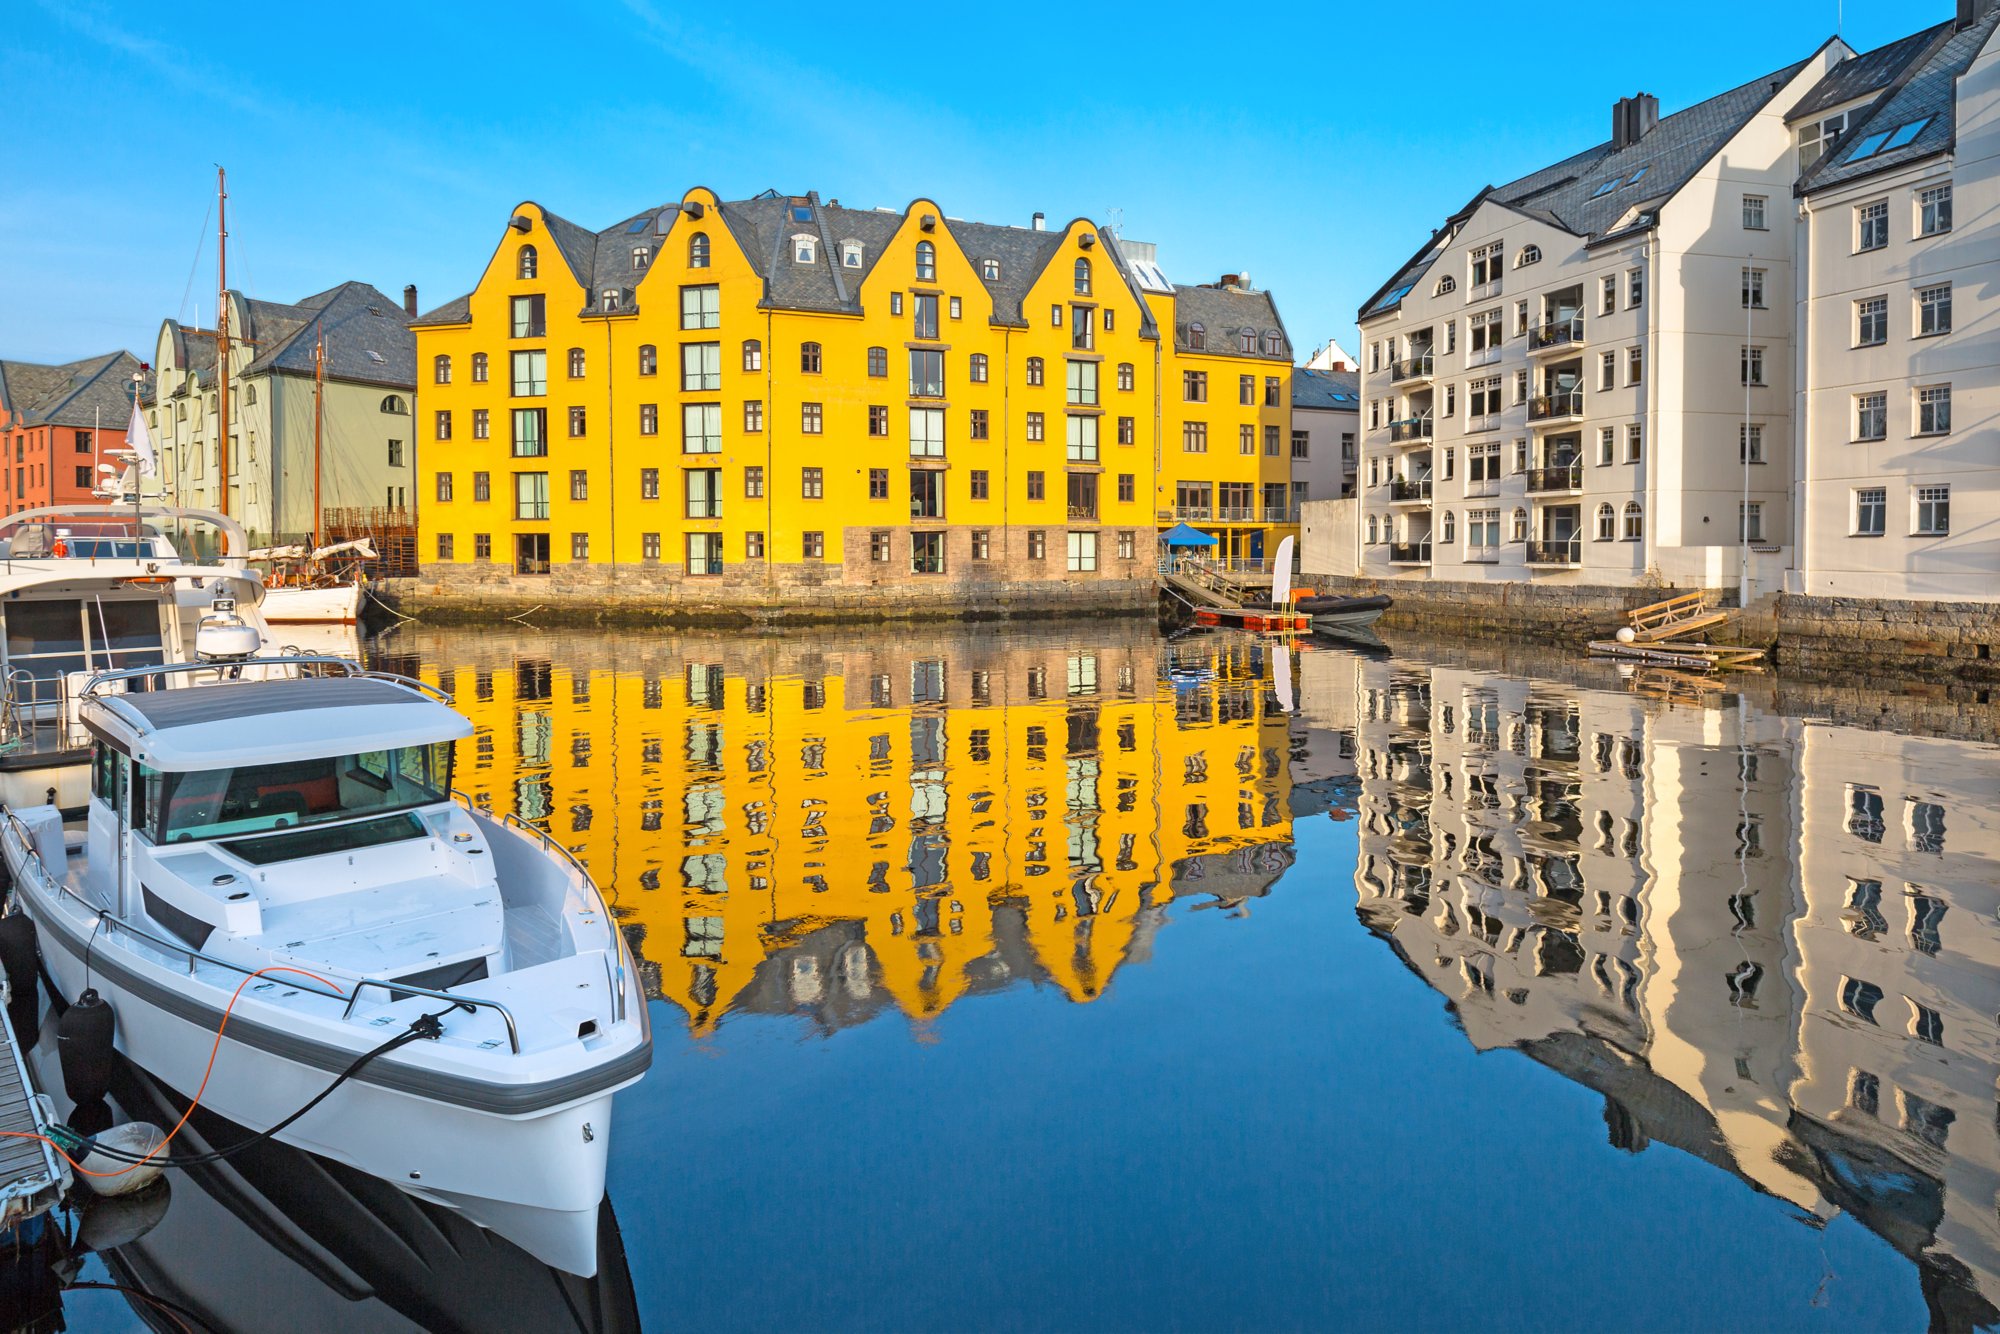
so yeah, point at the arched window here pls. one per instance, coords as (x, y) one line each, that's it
(1372, 530)
(1082, 276)
(1274, 343)
(1034, 370)
(1246, 340)
(753, 355)
(878, 362)
(393, 403)
(1635, 521)
(1607, 523)
(249, 393)
(989, 269)
(527, 264)
(441, 369)
(1446, 284)
(809, 358)
(926, 262)
(1124, 375)
(1530, 254)
(1197, 337)
(1450, 527)
(479, 368)
(649, 359)
(698, 250)
(1520, 525)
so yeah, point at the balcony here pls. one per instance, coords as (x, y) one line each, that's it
(1410, 553)
(1083, 514)
(1562, 477)
(1411, 430)
(1281, 514)
(1569, 551)
(1190, 513)
(1561, 406)
(1413, 368)
(1236, 513)
(1555, 335)
(1405, 489)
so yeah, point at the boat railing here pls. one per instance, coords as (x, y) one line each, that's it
(109, 921)
(308, 664)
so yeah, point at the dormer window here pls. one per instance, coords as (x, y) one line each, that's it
(850, 254)
(698, 250)
(804, 248)
(1446, 285)
(802, 213)
(926, 262)
(1274, 343)
(641, 256)
(1246, 340)
(1197, 337)
(989, 269)
(527, 263)
(609, 298)
(1530, 254)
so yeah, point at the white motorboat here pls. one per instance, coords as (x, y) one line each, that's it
(314, 585)
(293, 848)
(321, 604)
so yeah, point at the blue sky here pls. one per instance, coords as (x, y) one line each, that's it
(1312, 148)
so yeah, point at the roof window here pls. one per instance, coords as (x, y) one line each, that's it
(1607, 187)
(804, 247)
(638, 225)
(989, 269)
(850, 254)
(1905, 133)
(1634, 180)
(802, 213)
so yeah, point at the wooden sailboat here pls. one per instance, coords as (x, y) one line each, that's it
(320, 584)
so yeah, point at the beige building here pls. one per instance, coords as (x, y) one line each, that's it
(367, 412)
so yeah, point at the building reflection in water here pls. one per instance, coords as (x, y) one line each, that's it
(1768, 942)
(834, 825)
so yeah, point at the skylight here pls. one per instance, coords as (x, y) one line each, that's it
(802, 213)
(1605, 188)
(1637, 174)
(1398, 294)
(1906, 133)
(638, 225)
(1868, 147)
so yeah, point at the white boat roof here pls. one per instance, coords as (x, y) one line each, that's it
(83, 575)
(223, 726)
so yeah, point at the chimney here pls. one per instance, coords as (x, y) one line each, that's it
(410, 300)
(1632, 118)
(1971, 11)
(1041, 222)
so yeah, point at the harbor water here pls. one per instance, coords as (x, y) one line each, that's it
(1071, 977)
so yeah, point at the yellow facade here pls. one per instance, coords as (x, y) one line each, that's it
(867, 822)
(762, 400)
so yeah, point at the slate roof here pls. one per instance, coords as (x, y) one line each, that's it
(1927, 90)
(455, 311)
(1870, 72)
(1567, 194)
(72, 394)
(355, 319)
(1335, 391)
(1222, 312)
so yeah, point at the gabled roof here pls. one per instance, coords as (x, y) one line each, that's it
(1925, 95)
(1333, 391)
(1223, 312)
(455, 311)
(1570, 195)
(94, 391)
(1865, 74)
(355, 319)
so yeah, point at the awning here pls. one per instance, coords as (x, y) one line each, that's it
(1180, 535)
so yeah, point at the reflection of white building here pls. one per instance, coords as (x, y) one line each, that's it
(1771, 944)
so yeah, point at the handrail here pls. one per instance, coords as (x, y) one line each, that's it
(194, 956)
(615, 974)
(347, 667)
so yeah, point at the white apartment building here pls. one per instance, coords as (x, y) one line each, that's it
(1899, 455)
(1627, 368)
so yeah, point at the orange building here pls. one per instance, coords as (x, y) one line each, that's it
(56, 424)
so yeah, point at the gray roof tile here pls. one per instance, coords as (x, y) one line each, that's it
(1339, 391)
(1927, 91)
(356, 320)
(1864, 74)
(96, 390)
(1223, 313)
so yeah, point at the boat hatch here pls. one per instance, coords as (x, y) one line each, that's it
(442, 978)
(292, 844)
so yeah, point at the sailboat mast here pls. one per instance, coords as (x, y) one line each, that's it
(319, 389)
(222, 333)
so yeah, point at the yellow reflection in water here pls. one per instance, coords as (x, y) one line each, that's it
(832, 823)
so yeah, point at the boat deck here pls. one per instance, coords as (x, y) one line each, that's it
(31, 1176)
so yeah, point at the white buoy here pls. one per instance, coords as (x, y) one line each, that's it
(1625, 634)
(137, 1138)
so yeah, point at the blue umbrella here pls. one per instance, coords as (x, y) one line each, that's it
(1180, 535)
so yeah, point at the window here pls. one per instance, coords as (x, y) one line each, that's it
(1083, 439)
(926, 262)
(925, 318)
(850, 254)
(649, 546)
(1635, 521)
(1194, 437)
(526, 262)
(1635, 288)
(1519, 525)
(1197, 337)
(1082, 328)
(531, 495)
(649, 483)
(812, 483)
(579, 546)
(1635, 365)
(1082, 276)
(977, 426)
(1482, 337)
(1486, 262)
(1609, 303)
(482, 546)
(927, 433)
(753, 483)
(701, 489)
(704, 553)
(577, 422)
(926, 373)
(1372, 531)
(1271, 447)
(1128, 488)
(1750, 442)
(1483, 401)
(1753, 213)
(479, 368)
(1082, 553)
(1273, 391)
(1871, 321)
(579, 484)
(1871, 511)
(444, 486)
(753, 415)
(698, 251)
(926, 553)
(1753, 289)
(1036, 485)
(1871, 225)
(701, 307)
(701, 428)
(1752, 365)
(975, 368)
(529, 316)
(1607, 370)
(1934, 210)
(982, 544)
(812, 546)
(811, 416)
(443, 427)
(1871, 416)
(753, 546)
(878, 419)
(1482, 533)
(1038, 544)
(1934, 409)
(649, 419)
(753, 355)
(1933, 511)
(701, 366)
(444, 546)
(1933, 310)
(1607, 523)
(482, 486)
(1814, 138)
(1125, 376)
(1750, 521)
(1034, 370)
(1194, 386)
(805, 247)
(981, 480)
(531, 374)
(1127, 545)
(530, 433)
(1607, 444)
(1450, 525)
(809, 358)
(1246, 439)
(441, 369)
(989, 269)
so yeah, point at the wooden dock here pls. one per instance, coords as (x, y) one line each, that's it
(1661, 635)
(32, 1177)
(1687, 657)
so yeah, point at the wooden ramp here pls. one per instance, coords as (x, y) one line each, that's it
(1677, 617)
(32, 1178)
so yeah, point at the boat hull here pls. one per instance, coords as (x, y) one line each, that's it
(1347, 613)
(337, 605)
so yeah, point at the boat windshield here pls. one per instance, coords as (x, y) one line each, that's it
(222, 803)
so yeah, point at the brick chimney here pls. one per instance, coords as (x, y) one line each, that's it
(410, 300)
(1633, 118)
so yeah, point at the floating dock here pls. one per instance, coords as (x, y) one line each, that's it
(1251, 618)
(32, 1178)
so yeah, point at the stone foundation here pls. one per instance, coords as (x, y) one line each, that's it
(1931, 640)
(1545, 613)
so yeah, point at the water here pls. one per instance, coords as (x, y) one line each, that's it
(1072, 979)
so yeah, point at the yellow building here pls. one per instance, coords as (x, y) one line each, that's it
(740, 401)
(840, 826)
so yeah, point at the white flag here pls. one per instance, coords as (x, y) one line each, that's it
(137, 440)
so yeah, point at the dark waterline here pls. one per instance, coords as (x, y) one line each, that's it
(1466, 997)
